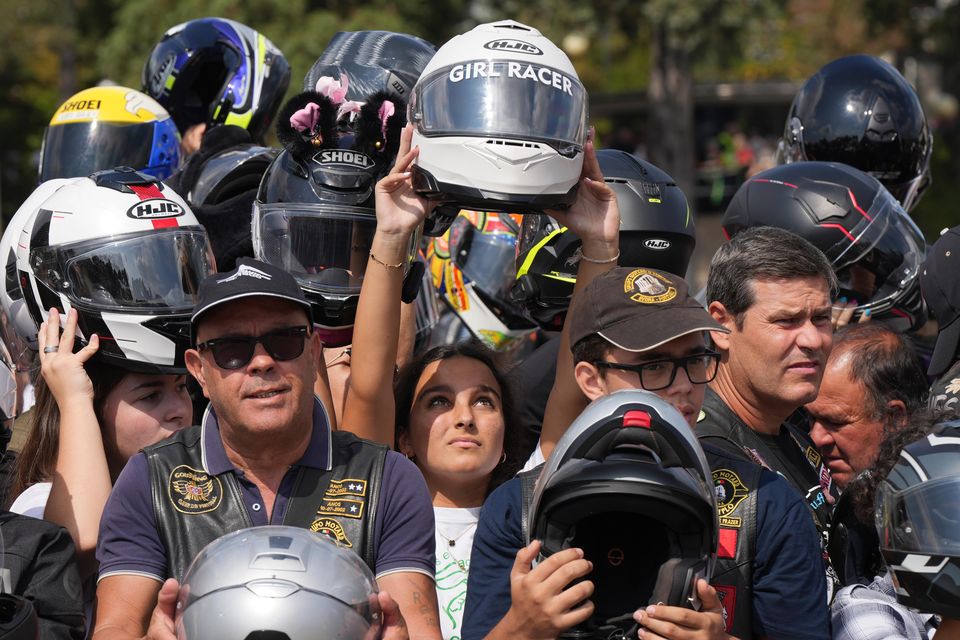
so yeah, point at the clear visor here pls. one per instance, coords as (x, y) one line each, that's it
(884, 256)
(924, 518)
(78, 149)
(325, 247)
(486, 259)
(509, 99)
(158, 271)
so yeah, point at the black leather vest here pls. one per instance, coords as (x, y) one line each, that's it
(194, 508)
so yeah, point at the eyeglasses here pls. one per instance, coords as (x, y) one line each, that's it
(655, 375)
(235, 352)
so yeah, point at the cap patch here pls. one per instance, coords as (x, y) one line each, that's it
(648, 287)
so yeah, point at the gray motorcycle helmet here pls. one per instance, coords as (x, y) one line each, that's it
(277, 583)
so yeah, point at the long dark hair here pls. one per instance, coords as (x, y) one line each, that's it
(406, 385)
(37, 460)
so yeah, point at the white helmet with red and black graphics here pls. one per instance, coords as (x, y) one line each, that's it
(128, 254)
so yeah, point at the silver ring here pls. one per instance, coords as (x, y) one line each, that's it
(51, 349)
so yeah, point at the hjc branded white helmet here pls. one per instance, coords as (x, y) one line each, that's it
(19, 330)
(500, 117)
(128, 254)
(273, 583)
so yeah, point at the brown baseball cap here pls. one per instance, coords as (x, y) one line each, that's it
(638, 310)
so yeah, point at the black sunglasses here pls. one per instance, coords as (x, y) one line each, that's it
(655, 375)
(234, 352)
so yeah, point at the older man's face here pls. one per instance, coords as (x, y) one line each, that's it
(843, 427)
(265, 395)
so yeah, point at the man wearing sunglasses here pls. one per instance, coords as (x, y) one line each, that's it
(640, 329)
(263, 454)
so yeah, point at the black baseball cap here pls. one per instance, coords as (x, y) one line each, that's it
(638, 310)
(251, 278)
(940, 285)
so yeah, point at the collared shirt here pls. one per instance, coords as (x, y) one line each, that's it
(130, 543)
(871, 612)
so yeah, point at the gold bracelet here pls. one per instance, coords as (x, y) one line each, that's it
(381, 262)
(580, 255)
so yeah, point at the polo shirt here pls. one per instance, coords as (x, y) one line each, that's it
(129, 541)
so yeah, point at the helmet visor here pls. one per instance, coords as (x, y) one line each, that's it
(158, 271)
(486, 259)
(507, 99)
(884, 256)
(325, 247)
(79, 148)
(924, 518)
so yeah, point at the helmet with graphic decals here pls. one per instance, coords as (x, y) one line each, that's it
(314, 215)
(107, 127)
(500, 117)
(127, 253)
(918, 521)
(372, 62)
(656, 231)
(629, 484)
(873, 245)
(214, 70)
(860, 111)
(276, 582)
(472, 269)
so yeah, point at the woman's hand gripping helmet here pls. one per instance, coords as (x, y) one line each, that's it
(918, 522)
(472, 269)
(656, 231)
(501, 122)
(860, 111)
(106, 127)
(217, 71)
(278, 583)
(127, 253)
(873, 245)
(314, 215)
(629, 484)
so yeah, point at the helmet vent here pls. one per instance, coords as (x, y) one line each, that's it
(512, 25)
(512, 143)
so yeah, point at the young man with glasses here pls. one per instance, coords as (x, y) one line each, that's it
(263, 454)
(639, 328)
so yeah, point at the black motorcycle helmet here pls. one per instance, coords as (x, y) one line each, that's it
(373, 61)
(918, 522)
(629, 484)
(217, 71)
(656, 231)
(873, 245)
(314, 214)
(860, 111)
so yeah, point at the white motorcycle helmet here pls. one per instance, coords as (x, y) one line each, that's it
(277, 583)
(127, 253)
(500, 117)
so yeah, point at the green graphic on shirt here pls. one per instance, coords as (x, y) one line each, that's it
(451, 576)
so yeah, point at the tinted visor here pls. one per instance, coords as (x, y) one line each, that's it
(885, 255)
(78, 149)
(487, 259)
(158, 271)
(924, 518)
(325, 247)
(508, 99)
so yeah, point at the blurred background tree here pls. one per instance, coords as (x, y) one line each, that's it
(667, 78)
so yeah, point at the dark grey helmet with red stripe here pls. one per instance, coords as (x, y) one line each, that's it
(127, 253)
(918, 521)
(873, 245)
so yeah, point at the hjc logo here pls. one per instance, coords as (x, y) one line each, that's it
(341, 156)
(149, 209)
(657, 244)
(515, 46)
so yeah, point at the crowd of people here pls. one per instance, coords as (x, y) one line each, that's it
(431, 368)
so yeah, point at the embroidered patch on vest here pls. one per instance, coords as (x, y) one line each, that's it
(346, 487)
(343, 508)
(332, 529)
(727, 543)
(193, 491)
(729, 490)
(812, 456)
(728, 599)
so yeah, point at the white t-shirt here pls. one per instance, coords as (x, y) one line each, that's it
(33, 501)
(453, 563)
